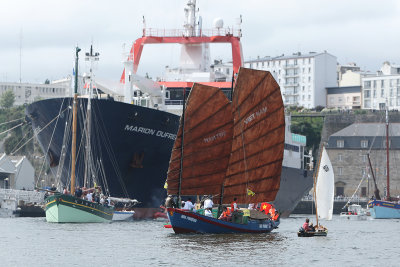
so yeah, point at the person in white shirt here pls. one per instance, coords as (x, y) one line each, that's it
(208, 204)
(89, 197)
(188, 205)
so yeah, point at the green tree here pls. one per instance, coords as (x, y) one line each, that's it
(7, 99)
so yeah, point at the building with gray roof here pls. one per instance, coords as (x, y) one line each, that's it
(348, 150)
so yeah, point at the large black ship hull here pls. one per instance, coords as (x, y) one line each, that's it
(131, 146)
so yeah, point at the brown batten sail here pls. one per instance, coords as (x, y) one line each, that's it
(255, 164)
(207, 143)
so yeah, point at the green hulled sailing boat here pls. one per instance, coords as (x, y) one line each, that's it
(67, 208)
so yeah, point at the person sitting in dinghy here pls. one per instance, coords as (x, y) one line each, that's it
(306, 225)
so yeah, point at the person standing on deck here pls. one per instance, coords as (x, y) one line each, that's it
(188, 205)
(234, 206)
(208, 204)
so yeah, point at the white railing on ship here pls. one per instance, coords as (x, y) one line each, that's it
(174, 102)
(25, 195)
(182, 32)
(340, 199)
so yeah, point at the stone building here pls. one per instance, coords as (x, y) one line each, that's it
(348, 150)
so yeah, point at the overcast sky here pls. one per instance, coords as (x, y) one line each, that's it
(361, 31)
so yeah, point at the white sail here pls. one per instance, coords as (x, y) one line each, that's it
(324, 191)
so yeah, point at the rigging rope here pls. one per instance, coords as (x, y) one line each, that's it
(48, 147)
(28, 132)
(6, 131)
(12, 121)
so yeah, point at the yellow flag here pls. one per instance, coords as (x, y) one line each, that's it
(166, 185)
(250, 193)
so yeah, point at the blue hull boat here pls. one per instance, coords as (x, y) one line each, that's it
(183, 221)
(384, 209)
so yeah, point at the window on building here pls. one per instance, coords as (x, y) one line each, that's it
(364, 158)
(363, 171)
(309, 97)
(374, 83)
(339, 191)
(309, 78)
(364, 143)
(295, 62)
(340, 143)
(251, 65)
(340, 99)
(363, 191)
(279, 71)
(340, 157)
(374, 93)
(304, 70)
(382, 92)
(303, 97)
(382, 83)
(302, 88)
(384, 143)
(309, 61)
(309, 70)
(391, 91)
(262, 64)
(340, 170)
(367, 93)
(367, 84)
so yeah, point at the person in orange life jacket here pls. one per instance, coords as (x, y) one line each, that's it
(276, 216)
(225, 216)
(273, 213)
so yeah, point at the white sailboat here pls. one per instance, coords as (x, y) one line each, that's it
(324, 186)
(324, 191)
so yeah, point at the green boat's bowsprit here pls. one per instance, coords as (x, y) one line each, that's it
(67, 208)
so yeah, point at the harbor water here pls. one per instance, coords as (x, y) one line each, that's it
(34, 242)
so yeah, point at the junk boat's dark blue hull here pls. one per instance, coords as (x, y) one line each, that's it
(131, 145)
(183, 221)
